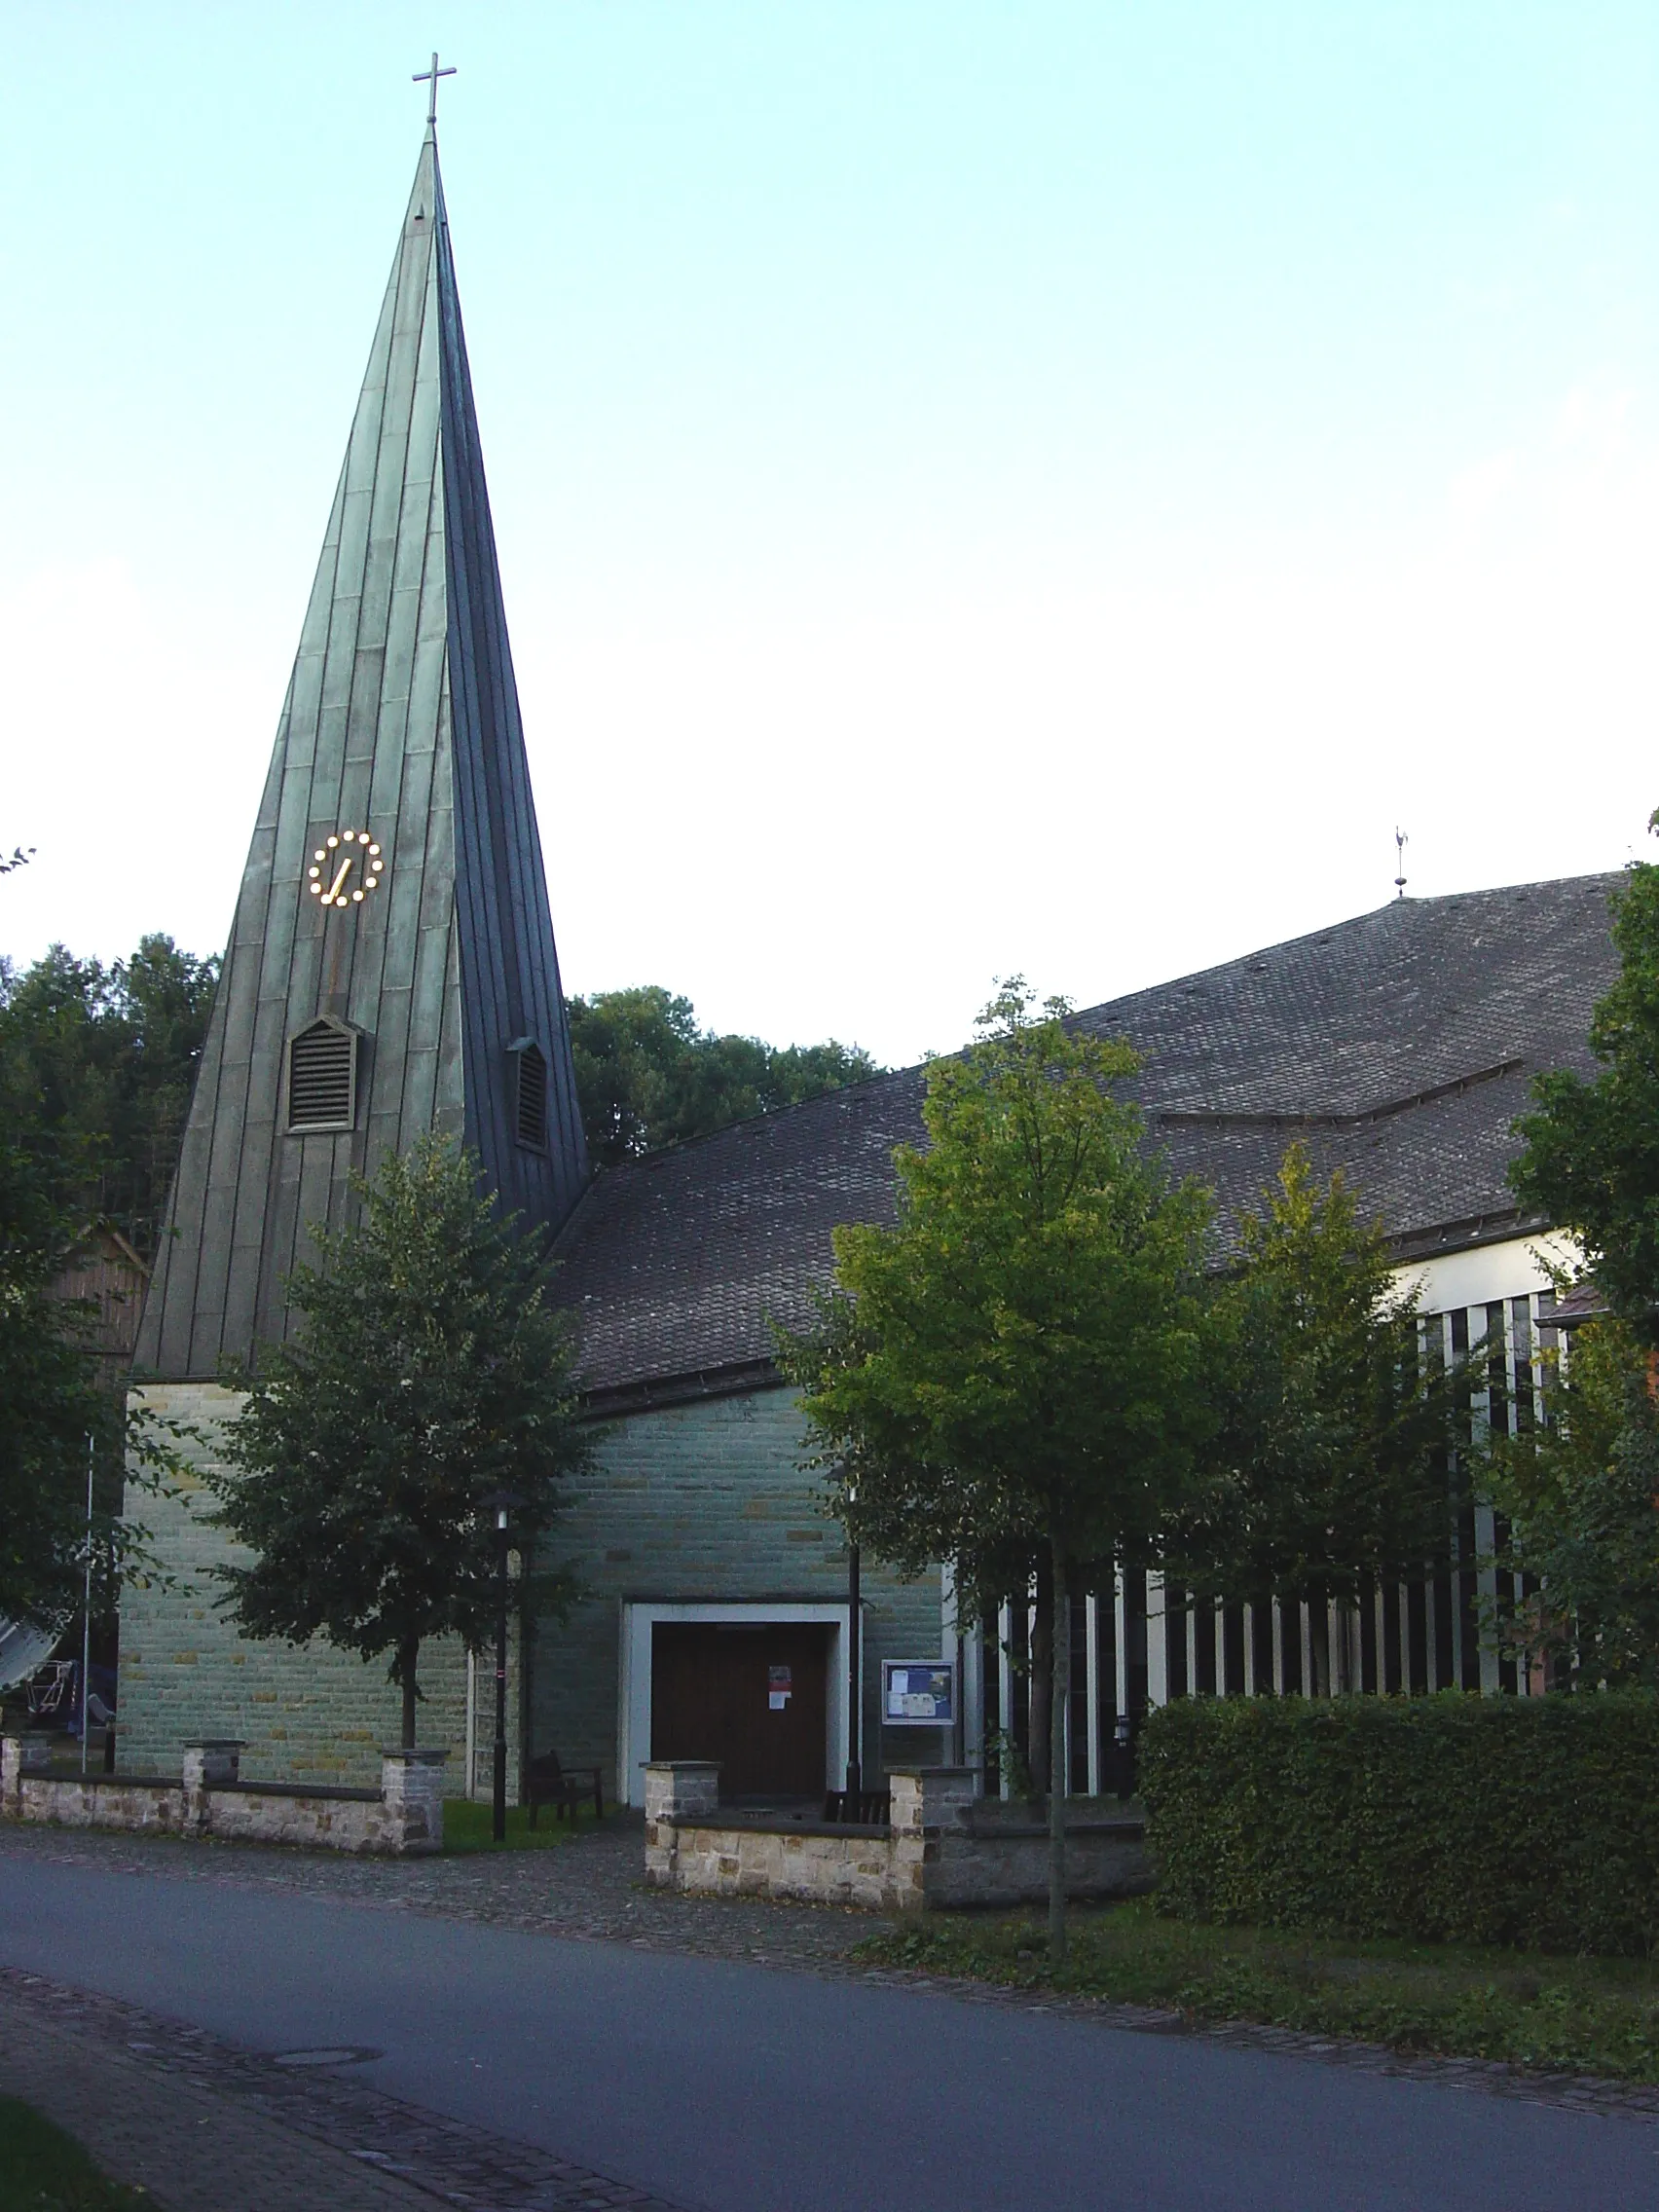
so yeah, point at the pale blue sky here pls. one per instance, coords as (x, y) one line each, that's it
(977, 487)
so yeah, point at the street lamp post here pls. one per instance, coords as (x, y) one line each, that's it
(500, 1501)
(855, 1676)
(499, 1811)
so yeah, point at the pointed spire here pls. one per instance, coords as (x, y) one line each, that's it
(391, 968)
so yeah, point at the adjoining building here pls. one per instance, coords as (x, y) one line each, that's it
(392, 971)
(1398, 1046)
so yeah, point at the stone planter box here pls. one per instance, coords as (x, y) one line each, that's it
(943, 1848)
(402, 1817)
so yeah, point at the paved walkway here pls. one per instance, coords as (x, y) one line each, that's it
(206, 2126)
(635, 2074)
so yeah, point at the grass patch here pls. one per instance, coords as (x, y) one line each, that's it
(467, 1825)
(1579, 2015)
(44, 2170)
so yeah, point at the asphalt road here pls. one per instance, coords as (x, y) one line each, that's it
(747, 2088)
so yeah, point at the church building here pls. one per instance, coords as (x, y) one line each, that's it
(392, 971)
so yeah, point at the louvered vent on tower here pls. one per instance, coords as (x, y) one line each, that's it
(323, 1077)
(530, 1123)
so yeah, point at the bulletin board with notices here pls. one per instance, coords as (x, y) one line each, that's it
(918, 1693)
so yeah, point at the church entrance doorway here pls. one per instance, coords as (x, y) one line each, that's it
(756, 1696)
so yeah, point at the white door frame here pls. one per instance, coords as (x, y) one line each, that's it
(634, 1689)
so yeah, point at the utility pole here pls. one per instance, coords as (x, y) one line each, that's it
(86, 1615)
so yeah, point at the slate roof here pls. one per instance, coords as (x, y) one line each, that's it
(1398, 1045)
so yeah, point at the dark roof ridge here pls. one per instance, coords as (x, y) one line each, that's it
(649, 1162)
(1330, 930)
(1221, 1116)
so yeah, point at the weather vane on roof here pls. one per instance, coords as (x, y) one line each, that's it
(1401, 840)
(421, 77)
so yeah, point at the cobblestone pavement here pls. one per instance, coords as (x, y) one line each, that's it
(590, 1889)
(206, 2128)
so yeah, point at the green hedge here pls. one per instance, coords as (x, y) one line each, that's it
(1522, 1820)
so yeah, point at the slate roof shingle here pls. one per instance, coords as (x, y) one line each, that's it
(1399, 1044)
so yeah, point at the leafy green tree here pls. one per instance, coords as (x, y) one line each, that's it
(1590, 1153)
(95, 1072)
(1331, 1464)
(1017, 1368)
(1580, 1498)
(1580, 1494)
(429, 1370)
(53, 1414)
(50, 1406)
(647, 1076)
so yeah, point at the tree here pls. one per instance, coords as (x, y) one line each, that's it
(1331, 1466)
(54, 1414)
(95, 1072)
(52, 1405)
(1590, 1153)
(1580, 1495)
(1580, 1498)
(1016, 1369)
(647, 1076)
(428, 1371)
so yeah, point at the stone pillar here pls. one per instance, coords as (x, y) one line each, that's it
(676, 1789)
(11, 1777)
(212, 1761)
(210, 1764)
(905, 1786)
(925, 1800)
(412, 1785)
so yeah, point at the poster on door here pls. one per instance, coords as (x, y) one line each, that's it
(918, 1693)
(780, 1687)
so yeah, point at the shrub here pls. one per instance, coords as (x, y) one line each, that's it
(1531, 1821)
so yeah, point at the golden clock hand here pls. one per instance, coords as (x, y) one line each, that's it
(344, 870)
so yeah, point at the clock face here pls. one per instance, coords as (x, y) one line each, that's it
(345, 869)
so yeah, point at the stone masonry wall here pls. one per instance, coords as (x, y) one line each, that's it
(404, 1816)
(306, 1715)
(703, 1503)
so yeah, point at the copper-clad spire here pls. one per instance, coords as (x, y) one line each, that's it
(418, 989)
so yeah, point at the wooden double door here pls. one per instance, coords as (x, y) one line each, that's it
(756, 1698)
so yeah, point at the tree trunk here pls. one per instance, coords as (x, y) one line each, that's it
(1041, 1660)
(1060, 1780)
(408, 1651)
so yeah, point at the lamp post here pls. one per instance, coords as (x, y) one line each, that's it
(855, 1676)
(499, 1502)
(87, 1612)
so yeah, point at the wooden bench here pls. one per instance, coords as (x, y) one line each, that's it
(860, 1808)
(547, 1783)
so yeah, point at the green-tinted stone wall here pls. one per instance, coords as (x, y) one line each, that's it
(708, 1504)
(309, 1714)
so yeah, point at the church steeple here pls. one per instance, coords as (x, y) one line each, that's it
(391, 966)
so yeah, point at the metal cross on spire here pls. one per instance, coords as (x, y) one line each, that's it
(421, 77)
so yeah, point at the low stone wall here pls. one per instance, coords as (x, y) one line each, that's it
(403, 1817)
(1005, 1862)
(942, 1848)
